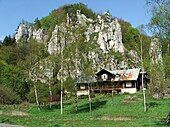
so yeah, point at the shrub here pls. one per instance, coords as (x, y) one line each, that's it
(8, 96)
(43, 93)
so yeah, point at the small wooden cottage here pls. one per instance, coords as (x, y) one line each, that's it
(128, 81)
(83, 85)
(104, 83)
(118, 81)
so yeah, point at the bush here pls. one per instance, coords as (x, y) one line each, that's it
(43, 93)
(7, 96)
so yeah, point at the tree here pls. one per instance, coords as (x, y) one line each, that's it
(13, 77)
(160, 21)
(8, 41)
(160, 15)
(0, 43)
(37, 24)
(32, 52)
(6, 98)
(9, 54)
(157, 86)
(160, 27)
(37, 52)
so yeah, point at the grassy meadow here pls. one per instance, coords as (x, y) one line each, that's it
(107, 111)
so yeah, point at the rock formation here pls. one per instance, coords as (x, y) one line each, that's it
(155, 51)
(22, 31)
(108, 33)
(103, 31)
(28, 32)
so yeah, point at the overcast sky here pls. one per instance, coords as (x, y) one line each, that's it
(13, 11)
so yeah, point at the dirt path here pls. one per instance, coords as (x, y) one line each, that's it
(14, 113)
(9, 125)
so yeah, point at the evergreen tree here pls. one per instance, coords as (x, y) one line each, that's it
(8, 41)
(37, 24)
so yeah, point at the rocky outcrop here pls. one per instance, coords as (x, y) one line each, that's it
(57, 41)
(40, 35)
(109, 35)
(155, 51)
(28, 32)
(82, 19)
(157, 73)
(21, 32)
(104, 31)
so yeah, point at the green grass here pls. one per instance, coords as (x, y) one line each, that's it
(118, 111)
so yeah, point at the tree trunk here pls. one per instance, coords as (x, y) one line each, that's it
(89, 102)
(36, 97)
(51, 97)
(76, 98)
(89, 98)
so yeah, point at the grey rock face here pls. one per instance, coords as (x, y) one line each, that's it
(27, 31)
(155, 51)
(103, 31)
(108, 34)
(57, 41)
(82, 19)
(22, 30)
(40, 35)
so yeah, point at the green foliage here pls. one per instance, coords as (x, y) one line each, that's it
(37, 24)
(43, 93)
(160, 21)
(157, 84)
(8, 96)
(160, 27)
(79, 6)
(49, 22)
(13, 77)
(59, 16)
(15, 61)
(145, 40)
(69, 84)
(93, 36)
(130, 36)
(9, 54)
(117, 55)
(167, 65)
(8, 40)
(31, 52)
(133, 40)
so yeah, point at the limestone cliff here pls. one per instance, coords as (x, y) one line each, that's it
(27, 31)
(104, 31)
(108, 32)
(155, 52)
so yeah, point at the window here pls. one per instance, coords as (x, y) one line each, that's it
(104, 77)
(128, 84)
(82, 87)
